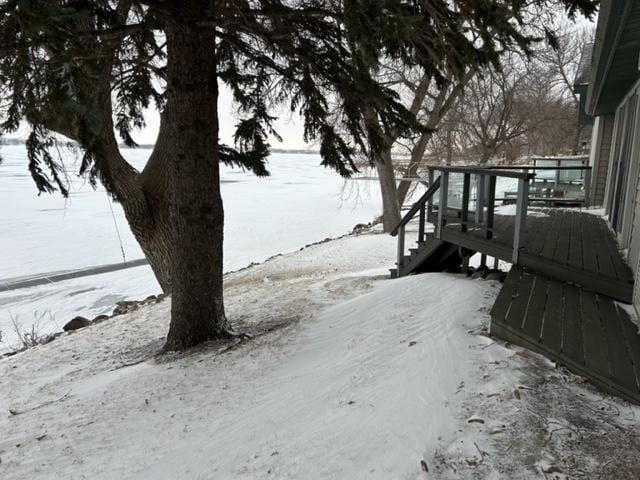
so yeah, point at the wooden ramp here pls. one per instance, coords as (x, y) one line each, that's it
(585, 331)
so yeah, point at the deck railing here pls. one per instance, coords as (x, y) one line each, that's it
(419, 206)
(485, 201)
(560, 183)
(485, 180)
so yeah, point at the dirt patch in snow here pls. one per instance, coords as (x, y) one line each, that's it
(551, 426)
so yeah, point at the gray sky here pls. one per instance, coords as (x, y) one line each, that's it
(288, 126)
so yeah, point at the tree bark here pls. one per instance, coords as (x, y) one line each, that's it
(144, 197)
(196, 212)
(414, 163)
(576, 139)
(387, 179)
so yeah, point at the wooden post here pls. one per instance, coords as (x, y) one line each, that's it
(421, 224)
(465, 264)
(466, 187)
(521, 217)
(479, 198)
(587, 187)
(430, 176)
(442, 208)
(491, 204)
(400, 249)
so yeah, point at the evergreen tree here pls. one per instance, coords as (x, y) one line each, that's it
(88, 68)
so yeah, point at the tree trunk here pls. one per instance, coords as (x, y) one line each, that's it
(417, 154)
(387, 179)
(144, 197)
(576, 140)
(195, 213)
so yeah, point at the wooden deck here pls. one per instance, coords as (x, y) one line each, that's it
(558, 298)
(565, 244)
(585, 331)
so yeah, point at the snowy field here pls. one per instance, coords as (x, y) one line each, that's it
(300, 203)
(349, 375)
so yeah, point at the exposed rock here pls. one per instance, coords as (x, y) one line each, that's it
(50, 338)
(101, 318)
(76, 323)
(361, 227)
(478, 274)
(496, 275)
(125, 307)
(151, 299)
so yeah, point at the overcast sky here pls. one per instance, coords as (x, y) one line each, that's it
(288, 126)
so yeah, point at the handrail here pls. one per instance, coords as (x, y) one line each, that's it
(537, 167)
(416, 206)
(479, 170)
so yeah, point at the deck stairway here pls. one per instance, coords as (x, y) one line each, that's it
(430, 255)
(559, 298)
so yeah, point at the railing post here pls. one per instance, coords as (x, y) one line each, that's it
(466, 187)
(442, 207)
(430, 176)
(521, 217)
(400, 249)
(587, 187)
(479, 198)
(491, 204)
(421, 224)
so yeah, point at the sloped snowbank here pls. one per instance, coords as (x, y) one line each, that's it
(350, 375)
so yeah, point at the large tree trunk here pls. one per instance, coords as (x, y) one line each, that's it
(196, 212)
(144, 201)
(576, 140)
(387, 179)
(144, 197)
(417, 154)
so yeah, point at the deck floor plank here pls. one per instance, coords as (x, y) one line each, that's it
(589, 257)
(572, 344)
(503, 302)
(532, 325)
(620, 362)
(552, 228)
(575, 243)
(553, 316)
(632, 340)
(516, 314)
(595, 349)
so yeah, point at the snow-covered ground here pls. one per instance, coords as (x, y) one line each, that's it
(349, 375)
(300, 203)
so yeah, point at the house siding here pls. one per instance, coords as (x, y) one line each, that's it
(603, 136)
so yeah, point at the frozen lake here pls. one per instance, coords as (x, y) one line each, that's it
(300, 203)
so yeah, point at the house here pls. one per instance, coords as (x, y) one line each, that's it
(612, 99)
(571, 271)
